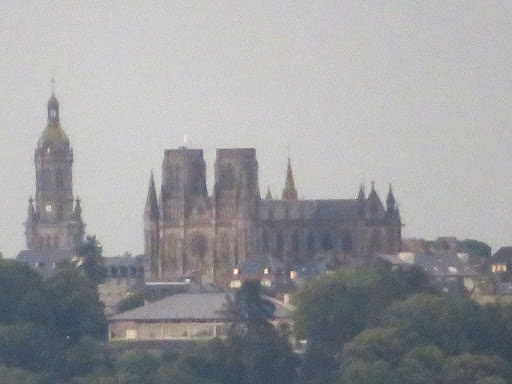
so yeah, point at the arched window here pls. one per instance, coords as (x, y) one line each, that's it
(227, 177)
(295, 242)
(279, 245)
(265, 239)
(347, 244)
(375, 244)
(311, 243)
(327, 244)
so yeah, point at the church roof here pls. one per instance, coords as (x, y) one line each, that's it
(336, 211)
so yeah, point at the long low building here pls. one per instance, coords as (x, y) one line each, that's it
(187, 316)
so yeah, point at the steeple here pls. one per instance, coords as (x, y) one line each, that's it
(390, 201)
(151, 211)
(269, 194)
(374, 201)
(289, 191)
(361, 198)
(53, 106)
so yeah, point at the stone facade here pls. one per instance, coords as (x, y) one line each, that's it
(191, 234)
(53, 222)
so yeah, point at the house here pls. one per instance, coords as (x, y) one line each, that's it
(501, 261)
(186, 316)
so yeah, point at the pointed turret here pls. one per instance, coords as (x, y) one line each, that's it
(374, 201)
(151, 211)
(390, 201)
(269, 194)
(361, 198)
(289, 191)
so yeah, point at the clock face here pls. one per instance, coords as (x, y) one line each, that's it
(48, 208)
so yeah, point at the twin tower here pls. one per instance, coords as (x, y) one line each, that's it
(189, 233)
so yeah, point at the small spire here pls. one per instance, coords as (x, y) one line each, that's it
(52, 81)
(390, 201)
(151, 211)
(289, 191)
(362, 193)
(269, 194)
(78, 207)
(53, 107)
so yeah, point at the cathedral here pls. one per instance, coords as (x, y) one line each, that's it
(54, 226)
(189, 233)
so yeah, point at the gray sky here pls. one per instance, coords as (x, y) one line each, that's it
(417, 93)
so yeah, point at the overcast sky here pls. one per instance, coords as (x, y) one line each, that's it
(416, 93)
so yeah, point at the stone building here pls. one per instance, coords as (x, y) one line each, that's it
(189, 233)
(54, 219)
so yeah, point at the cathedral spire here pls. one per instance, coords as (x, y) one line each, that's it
(390, 201)
(289, 191)
(151, 211)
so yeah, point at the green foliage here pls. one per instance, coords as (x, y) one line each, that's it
(43, 323)
(16, 376)
(333, 309)
(93, 264)
(130, 302)
(76, 306)
(249, 311)
(136, 367)
(477, 250)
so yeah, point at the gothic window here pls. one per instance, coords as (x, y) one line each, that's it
(347, 245)
(60, 180)
(265, 238)
(327, 244)
(199, 249)
(311, 243)
(224, 253)
(227, 177)
(295, 241)
(375, 244)
(279, 245)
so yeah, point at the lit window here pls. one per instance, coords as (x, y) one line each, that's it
(235, 284)
(266, 283)
(265, 271)
(131, 334)
(235, 271)
(293, 274)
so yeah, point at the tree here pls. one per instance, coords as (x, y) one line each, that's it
(249, 312)
(478, 251)
(137, 367)
(76, 306)
(92, 265)
(476, 369)
(16, 376)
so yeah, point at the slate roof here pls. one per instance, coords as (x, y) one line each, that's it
(442, 263)
(335, 211)
(188, 307)
(503, 255)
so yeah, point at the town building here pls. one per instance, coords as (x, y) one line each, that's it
(190, 233)
(185, 316)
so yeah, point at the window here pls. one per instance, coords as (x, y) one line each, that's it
(131, 334)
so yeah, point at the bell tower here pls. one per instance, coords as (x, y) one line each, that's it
(53, 222)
